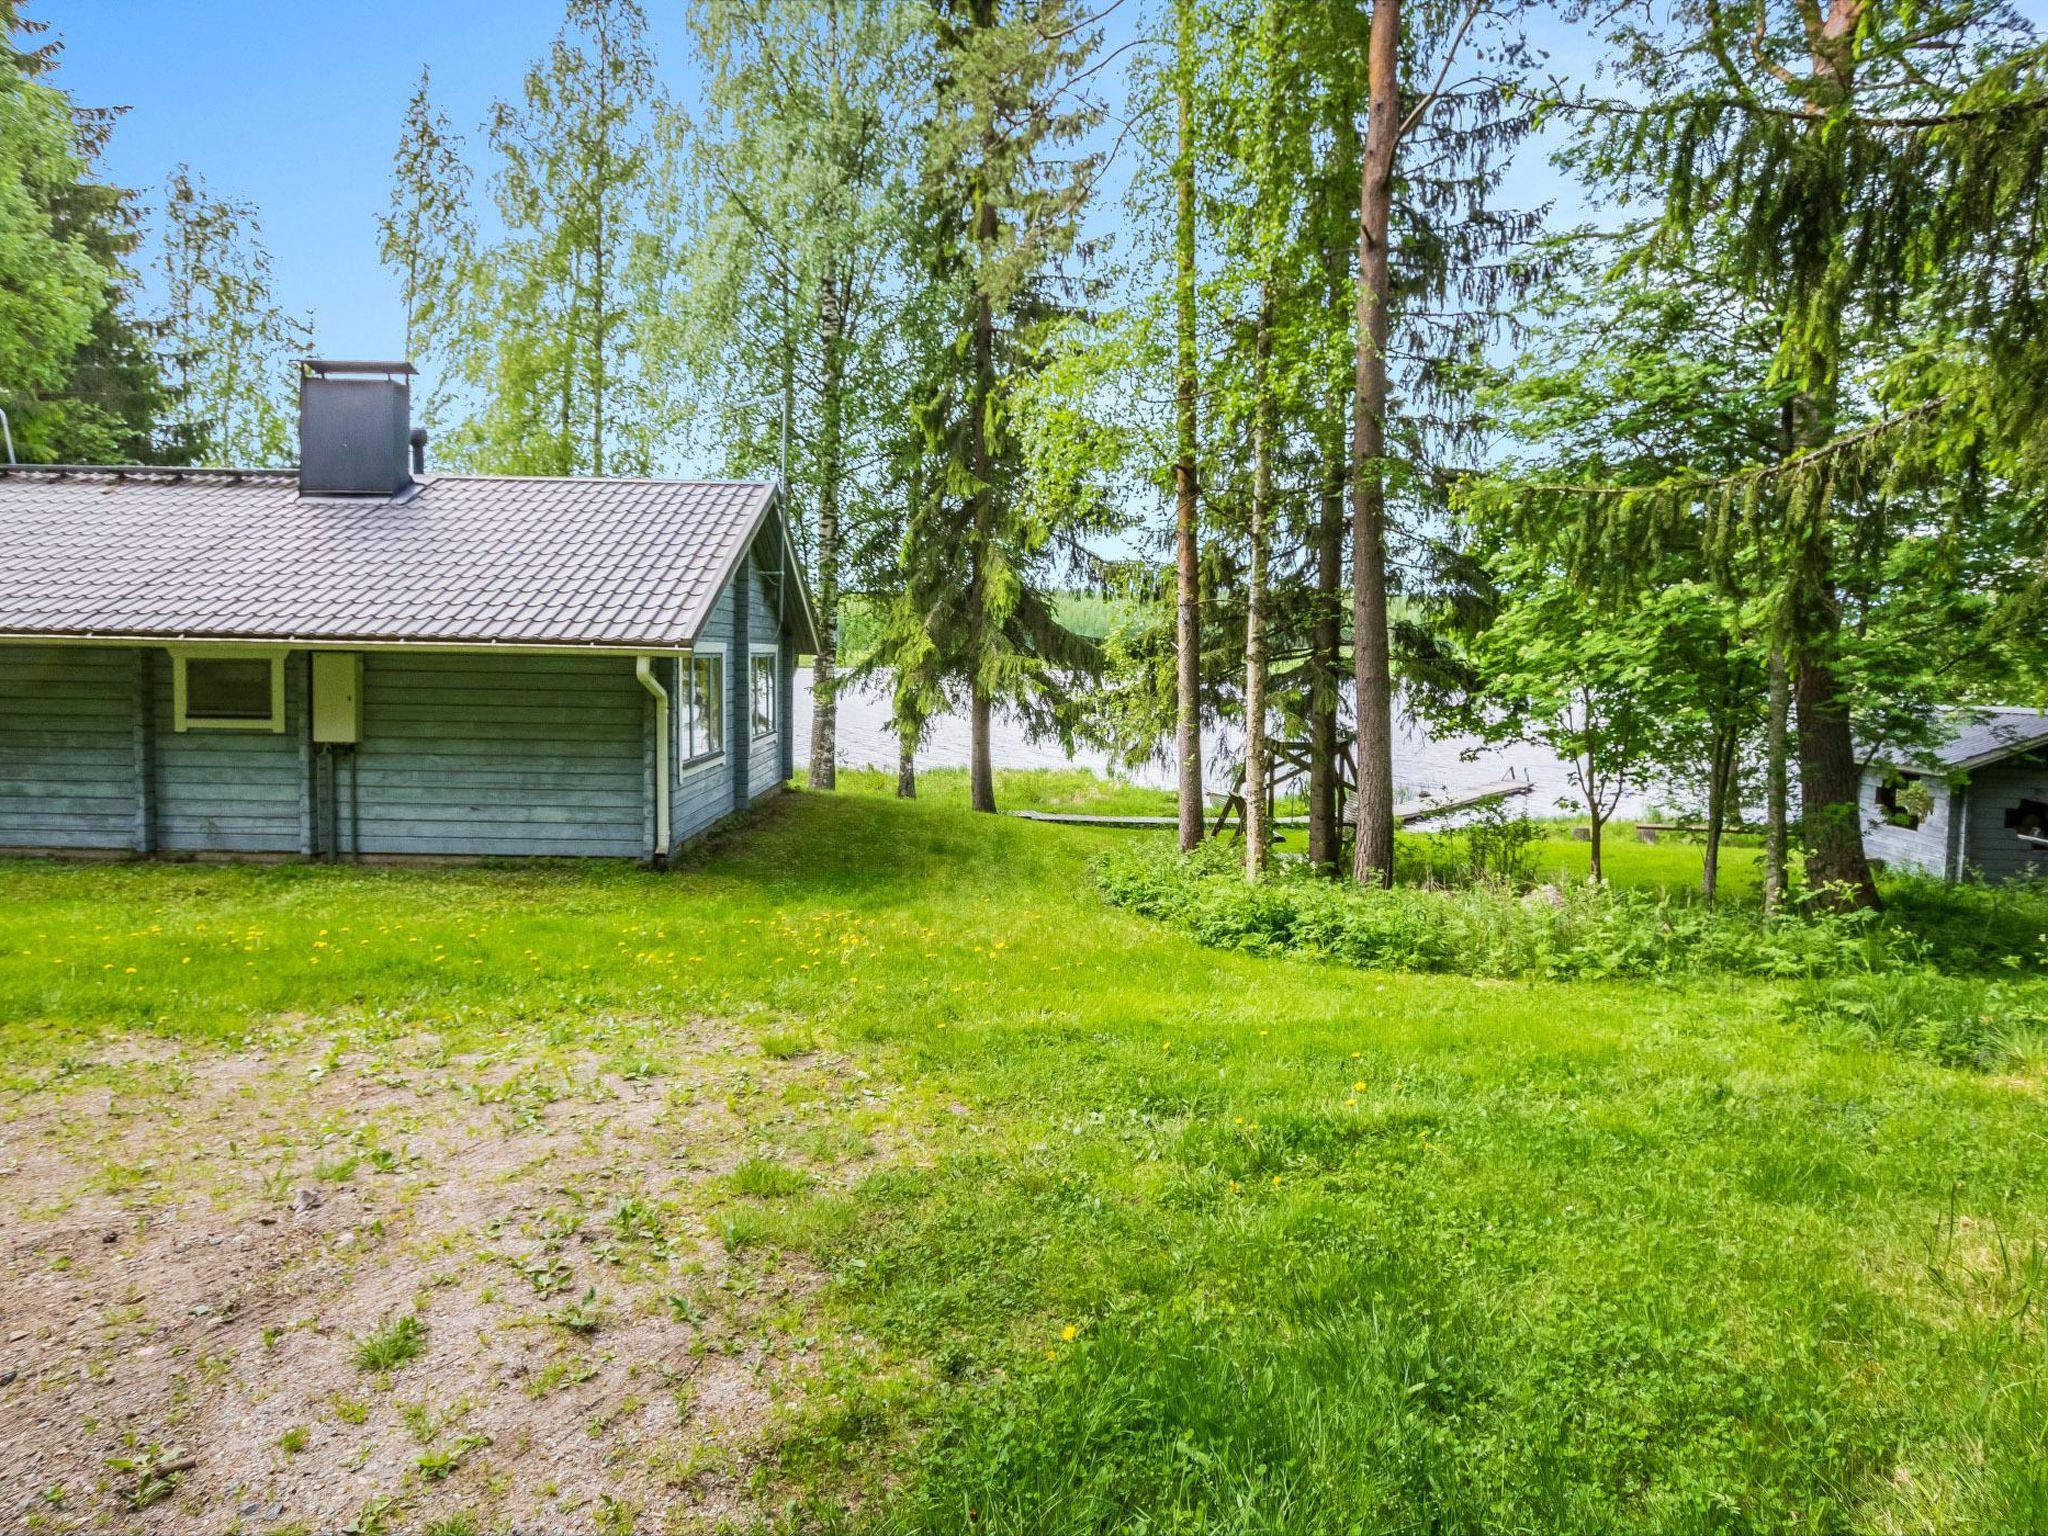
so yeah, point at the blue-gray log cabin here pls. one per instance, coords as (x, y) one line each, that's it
(1973, 807)
(360, 660)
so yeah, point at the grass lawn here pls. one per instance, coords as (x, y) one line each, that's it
(870, 1172)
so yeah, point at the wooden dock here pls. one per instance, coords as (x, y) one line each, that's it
(1408, 816)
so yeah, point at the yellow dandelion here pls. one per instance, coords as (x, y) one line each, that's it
(1067, 1333)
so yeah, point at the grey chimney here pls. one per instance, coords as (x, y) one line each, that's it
(355, 419)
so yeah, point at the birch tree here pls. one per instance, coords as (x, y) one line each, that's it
(427, 237)
(232, 346)
(797, 165)
(549, 352)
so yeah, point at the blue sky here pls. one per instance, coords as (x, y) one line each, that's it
(294, 105)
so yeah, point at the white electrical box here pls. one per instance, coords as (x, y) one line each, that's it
(337, 697)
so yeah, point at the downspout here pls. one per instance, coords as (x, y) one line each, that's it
(643, 668)
(1961, 866)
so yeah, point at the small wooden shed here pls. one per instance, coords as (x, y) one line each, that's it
(359, 660)
(1974, 807)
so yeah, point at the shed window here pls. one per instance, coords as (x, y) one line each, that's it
(228, 693)
(700, 712)
(2029, 819)
(1895, 814)
(763, 676)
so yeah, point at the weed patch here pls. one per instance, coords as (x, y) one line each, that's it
(392, 1345)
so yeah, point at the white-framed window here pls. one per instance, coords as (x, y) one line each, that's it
(762, 677)
(700, 706)
(227, 691)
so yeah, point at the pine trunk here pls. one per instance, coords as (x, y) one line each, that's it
(1325, 840)
(1373, 862)
(1258, 833)
(831, 438)
(1326, 632)
(1187, 552)
(1836, 866)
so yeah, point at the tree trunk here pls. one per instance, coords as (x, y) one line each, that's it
(831, 412)
(1258, 832)
(1776, 789)
(1325, 839)
(1720, 759)
(906, 764)
(1373, 863)
(1326, 633)
(1829, 785)
(981, 772)
(1598, 822)
(1187, 553)
(1829, 821)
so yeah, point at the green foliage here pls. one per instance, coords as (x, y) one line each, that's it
(761, 1178)
(584, 1316)
(79, 376)
(1957, 1021)
(1500, 845)
(51, 287)
(1489, 930)
(427, 236)
(1002, 182)
(232, 345)
(392, 1344)
(546, 331)
(792, 276)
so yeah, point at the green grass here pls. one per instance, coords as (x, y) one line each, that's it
(392, 1344)
(1340, 1250)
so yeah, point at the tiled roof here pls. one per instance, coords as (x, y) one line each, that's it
(458, 560)
(1980, 734)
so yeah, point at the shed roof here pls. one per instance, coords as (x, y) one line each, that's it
(1975, 735)
(453, 560)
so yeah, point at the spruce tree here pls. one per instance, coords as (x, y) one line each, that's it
(1861, 168)
(1000, 212)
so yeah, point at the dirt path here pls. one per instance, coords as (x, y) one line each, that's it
(312, 1287)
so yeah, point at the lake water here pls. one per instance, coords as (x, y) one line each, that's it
(1425, 765)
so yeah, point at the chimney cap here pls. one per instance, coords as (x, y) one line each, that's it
(325, 367)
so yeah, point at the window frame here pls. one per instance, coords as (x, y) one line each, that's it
(184, 719)
(772, 654)
(688, 717)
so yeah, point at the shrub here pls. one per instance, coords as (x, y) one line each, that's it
(1489, 929)
(1958, 1021)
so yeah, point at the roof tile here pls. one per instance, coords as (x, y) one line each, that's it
(464, 560)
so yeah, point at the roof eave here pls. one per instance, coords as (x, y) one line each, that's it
(473, 645)
(772, 505)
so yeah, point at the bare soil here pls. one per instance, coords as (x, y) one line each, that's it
(197, 1244)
